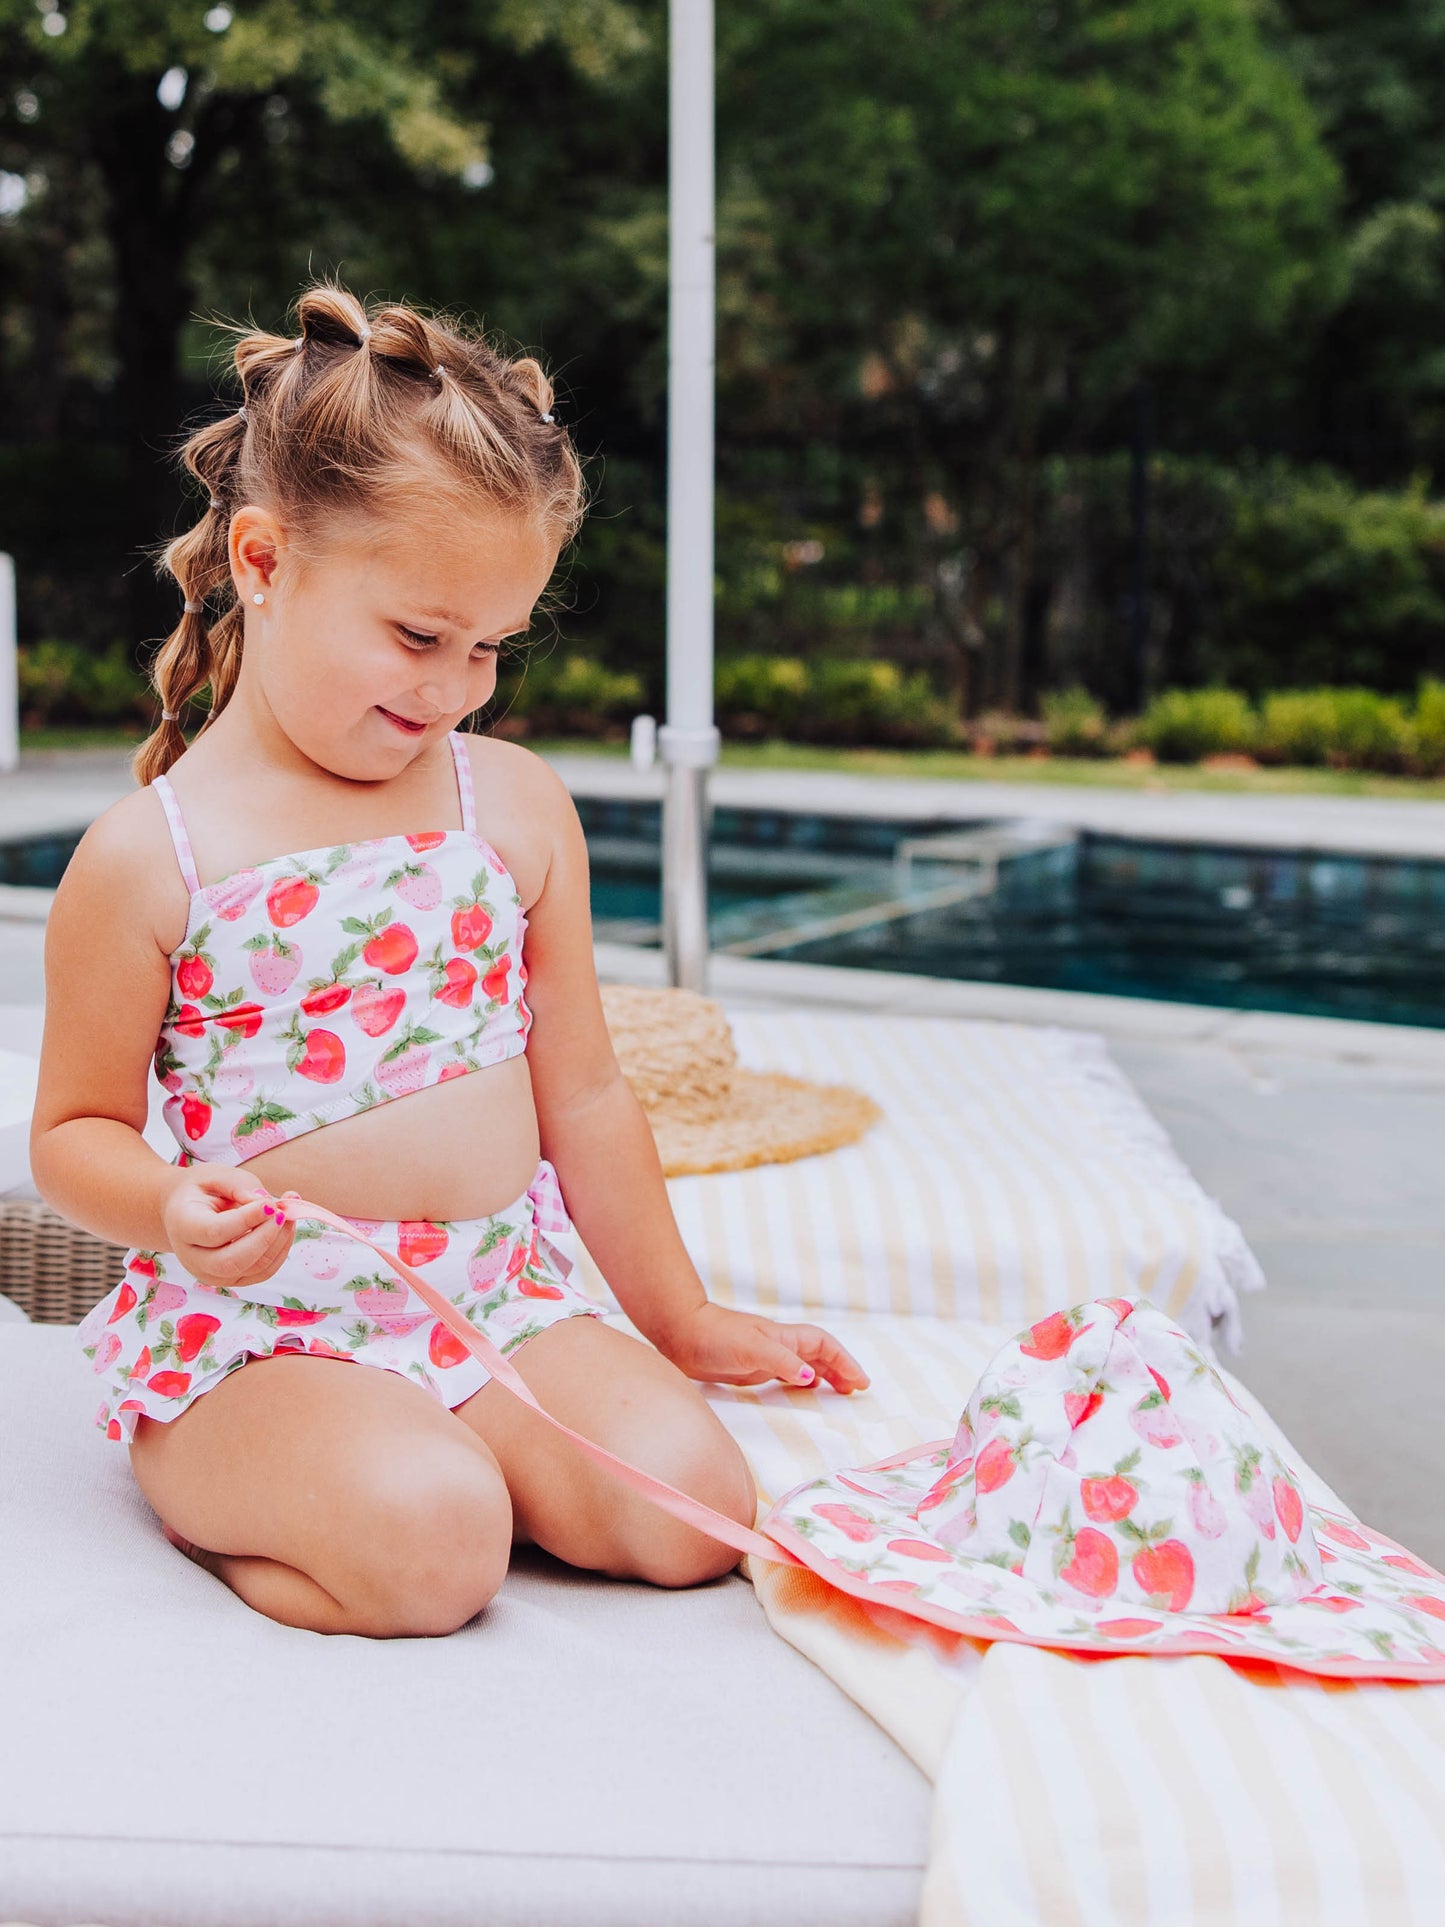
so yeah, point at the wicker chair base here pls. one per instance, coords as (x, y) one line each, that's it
(51, 1268)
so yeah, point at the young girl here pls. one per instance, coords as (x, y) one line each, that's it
(319, 907)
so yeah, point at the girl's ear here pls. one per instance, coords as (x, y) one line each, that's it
(257, 544)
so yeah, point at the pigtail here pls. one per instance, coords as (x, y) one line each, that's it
(190, 660)
(530, 378)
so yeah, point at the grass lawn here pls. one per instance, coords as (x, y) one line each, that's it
(956, 765)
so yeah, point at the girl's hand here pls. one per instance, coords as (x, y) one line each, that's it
(224, 1227)
(743, 1348)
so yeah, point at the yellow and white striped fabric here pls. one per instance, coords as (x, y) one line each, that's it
(1015, 1172)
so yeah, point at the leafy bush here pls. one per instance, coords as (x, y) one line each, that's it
(829, 700)
(1183, 725)
(874, 702)
(1371, 731)
(1350, 728)
(1297, 726)
(761, 695)
(1075, 723)
(61, 682)
(1262, 575)
(570, 695)
(1429, 723)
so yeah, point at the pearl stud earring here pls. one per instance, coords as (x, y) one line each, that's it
(258, 597)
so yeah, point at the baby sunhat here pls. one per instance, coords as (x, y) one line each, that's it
(1106, 1492)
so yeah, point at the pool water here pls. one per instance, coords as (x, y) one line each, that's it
(1281, 930)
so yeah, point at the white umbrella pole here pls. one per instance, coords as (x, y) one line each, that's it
(688, 741)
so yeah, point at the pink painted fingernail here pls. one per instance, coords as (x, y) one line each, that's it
(805, 1377)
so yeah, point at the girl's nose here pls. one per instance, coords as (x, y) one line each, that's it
(444, 690)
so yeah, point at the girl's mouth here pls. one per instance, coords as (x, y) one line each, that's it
(407, 727)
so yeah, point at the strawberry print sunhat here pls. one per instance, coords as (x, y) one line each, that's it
(1105, 1491)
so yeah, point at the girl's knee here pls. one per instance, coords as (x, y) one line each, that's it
(705, 1462)
(435, 1550)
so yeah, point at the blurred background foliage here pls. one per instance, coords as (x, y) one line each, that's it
(1074, 359)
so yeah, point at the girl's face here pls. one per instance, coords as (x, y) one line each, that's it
(369, 652)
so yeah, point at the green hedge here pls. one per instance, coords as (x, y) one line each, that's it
(827, 700)
(870, 701)
(1183, 725)
(60, 682)
(1345, 728)
(564, 694)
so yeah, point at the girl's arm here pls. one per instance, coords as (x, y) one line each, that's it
(594, 1130)
(107, 979)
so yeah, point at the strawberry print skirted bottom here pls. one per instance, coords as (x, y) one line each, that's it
(162, 1339)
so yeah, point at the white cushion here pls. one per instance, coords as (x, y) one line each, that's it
(17, 1101)
(586, 1751)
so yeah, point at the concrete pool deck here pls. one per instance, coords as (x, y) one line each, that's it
(1324, 1139)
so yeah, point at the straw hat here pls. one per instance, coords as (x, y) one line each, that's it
(706, 1112)
(1106, 1492)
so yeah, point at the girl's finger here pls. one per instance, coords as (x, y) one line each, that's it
(833, 1361)
(259, 1238)
(216, 1228)
(779, 1360)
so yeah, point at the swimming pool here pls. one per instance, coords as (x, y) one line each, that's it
(1281, 930)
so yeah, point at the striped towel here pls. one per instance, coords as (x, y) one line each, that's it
(1015, 1172)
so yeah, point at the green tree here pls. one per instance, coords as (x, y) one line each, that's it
(1373, 394)
(142, 128)
(974, 227)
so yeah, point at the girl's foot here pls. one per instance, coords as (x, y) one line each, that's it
(202, 1559)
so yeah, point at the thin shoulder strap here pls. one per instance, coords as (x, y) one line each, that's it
(464, 782)
(177, 823)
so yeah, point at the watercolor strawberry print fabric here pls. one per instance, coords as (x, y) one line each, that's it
(326, 982)
(161, 1339)
(1104, 1491)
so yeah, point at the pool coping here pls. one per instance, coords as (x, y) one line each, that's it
(1346, 826)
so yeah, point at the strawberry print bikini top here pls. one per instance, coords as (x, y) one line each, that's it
(325, 982)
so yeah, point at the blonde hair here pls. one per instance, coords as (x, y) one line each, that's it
(340, 419)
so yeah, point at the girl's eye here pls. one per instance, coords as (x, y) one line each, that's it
(424, 642)
(488, 648)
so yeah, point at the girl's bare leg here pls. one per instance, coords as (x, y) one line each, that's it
(281, 1592)
(623, 1394)
(332, 1497)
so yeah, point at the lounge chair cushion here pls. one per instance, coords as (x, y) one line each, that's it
(585, 1751)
